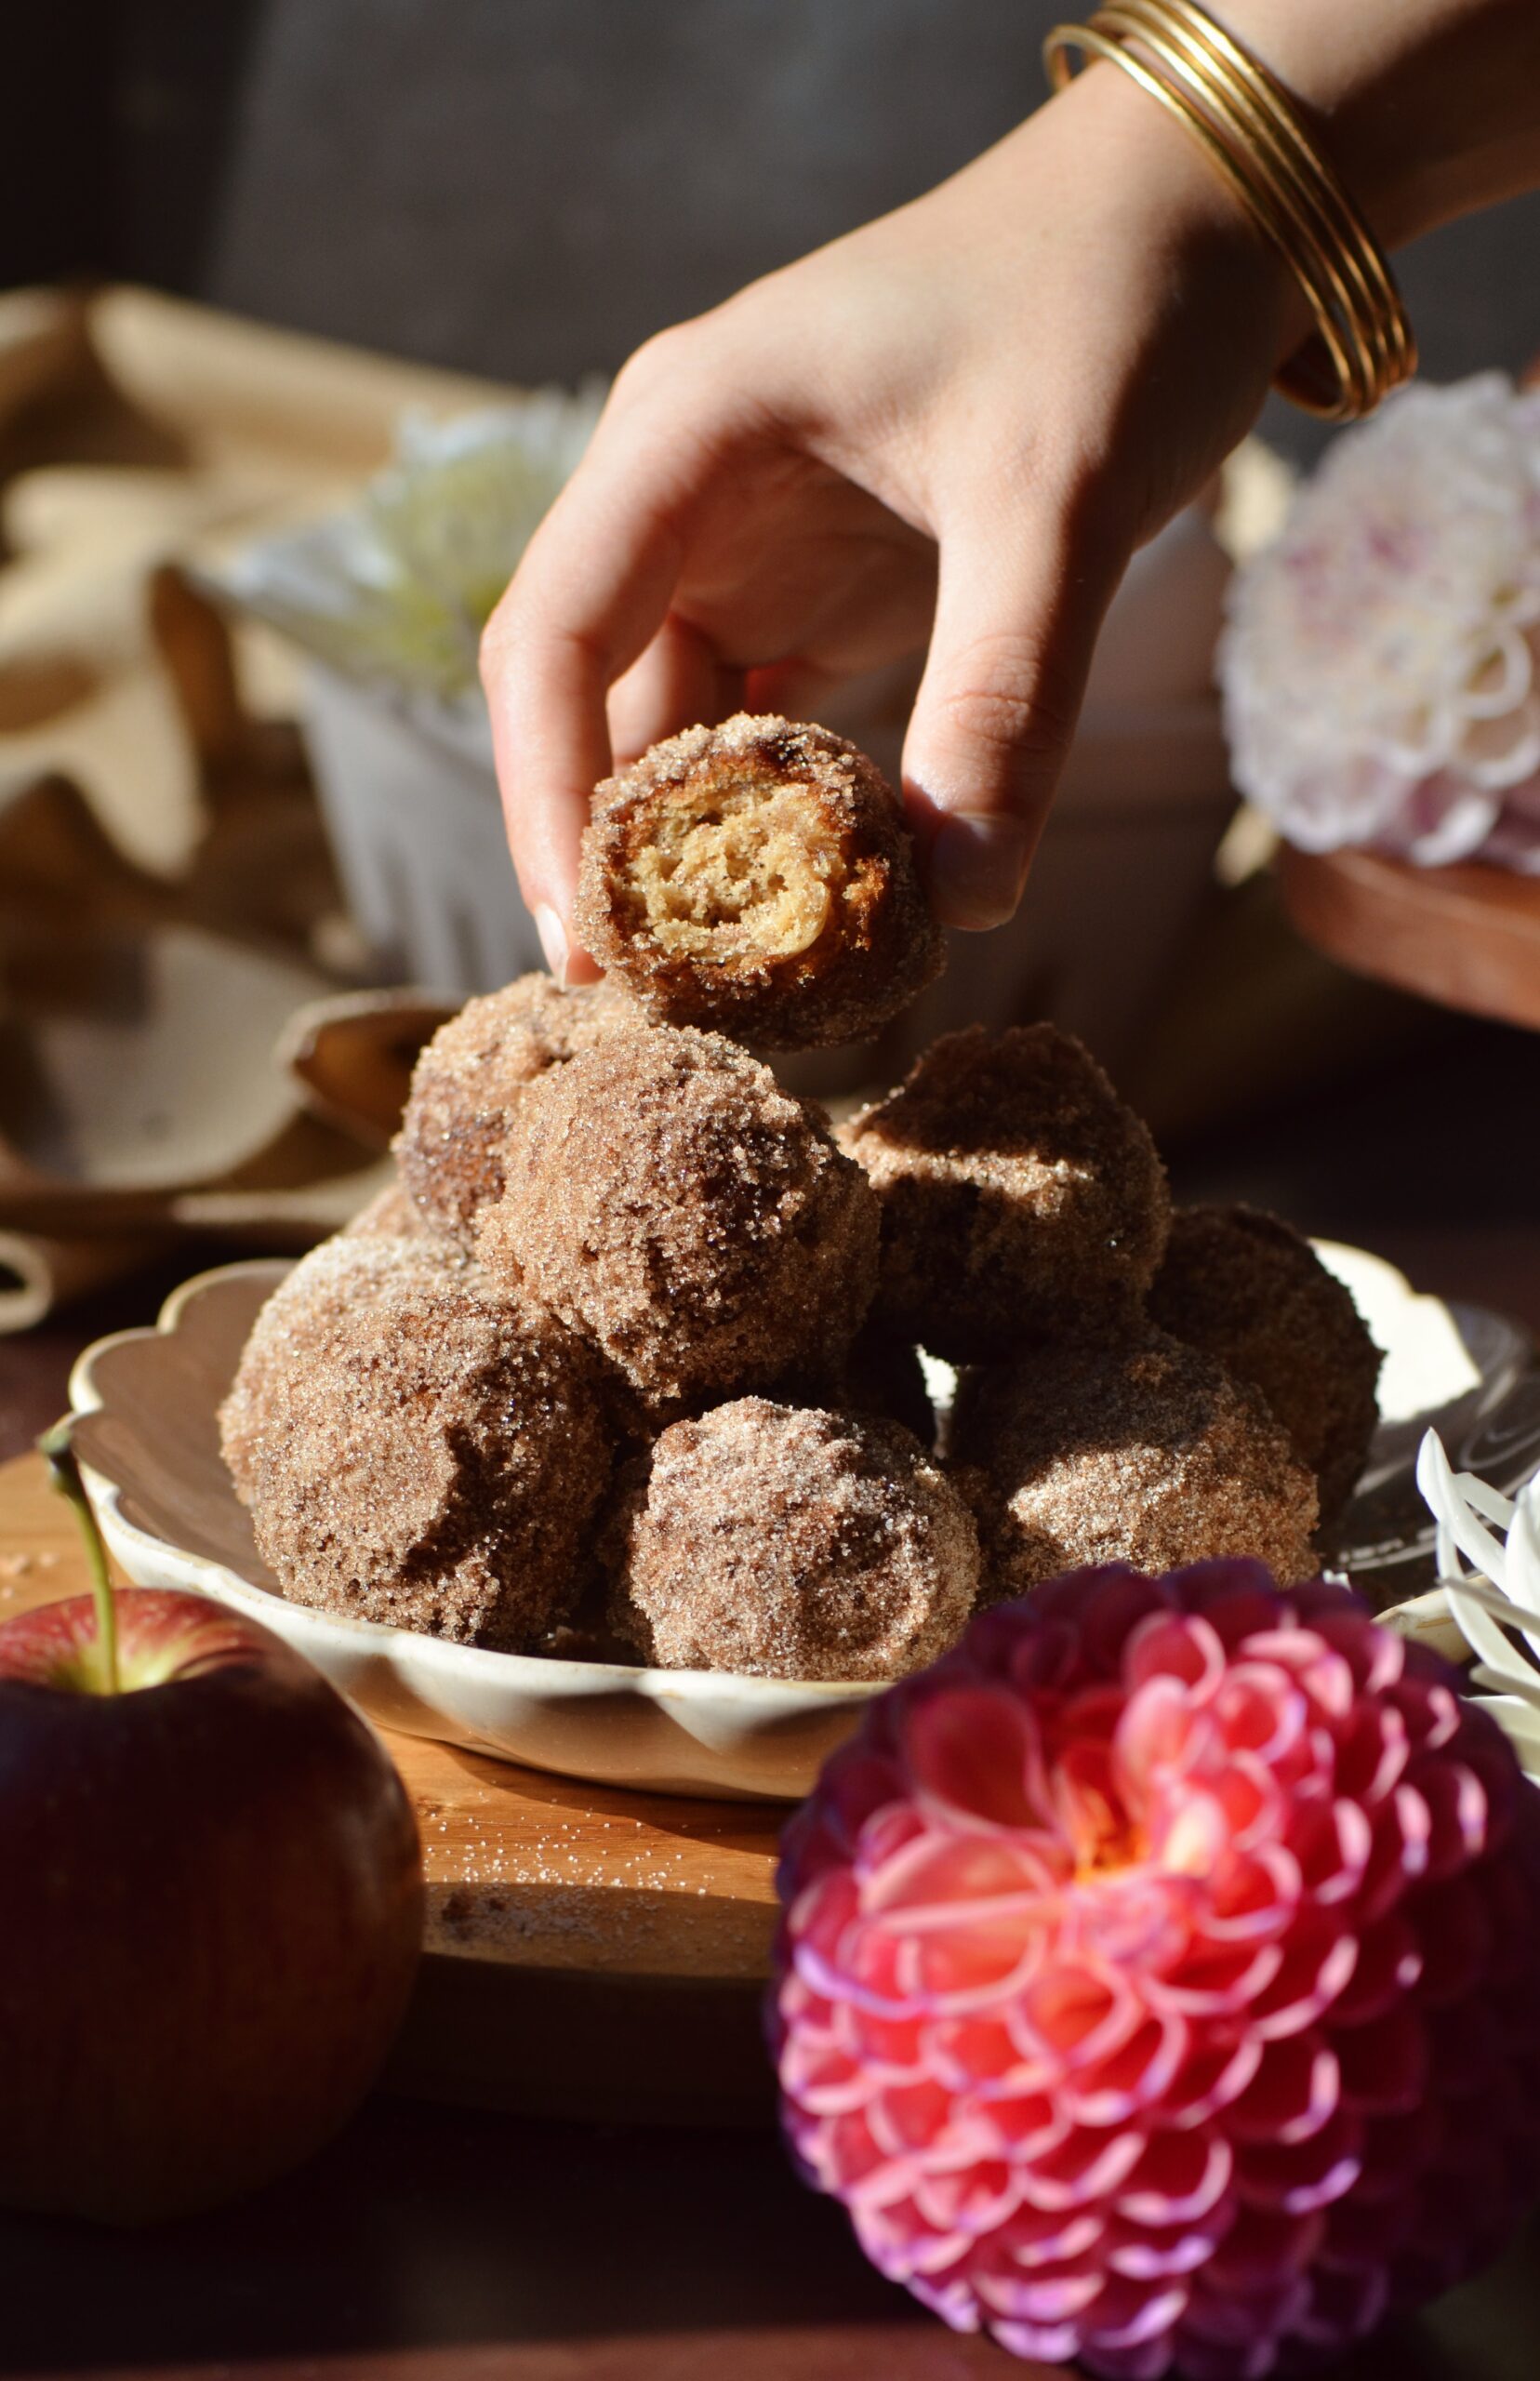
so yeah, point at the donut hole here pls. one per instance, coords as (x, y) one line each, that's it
(738, 874)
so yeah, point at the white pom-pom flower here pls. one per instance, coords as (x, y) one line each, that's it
(1381, 663)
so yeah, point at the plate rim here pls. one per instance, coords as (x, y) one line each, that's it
(542, 1671)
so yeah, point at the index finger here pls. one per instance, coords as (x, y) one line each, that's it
(592, 590)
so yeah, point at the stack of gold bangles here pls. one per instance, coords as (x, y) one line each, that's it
(1249, 128)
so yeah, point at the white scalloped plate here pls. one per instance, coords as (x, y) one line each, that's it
(146, 1405)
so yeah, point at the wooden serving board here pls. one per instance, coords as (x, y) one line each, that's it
(1469, 937)
(588, 1953)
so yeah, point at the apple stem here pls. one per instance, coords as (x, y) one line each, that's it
(64, 1475)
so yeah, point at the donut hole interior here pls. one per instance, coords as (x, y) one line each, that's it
(746, 872)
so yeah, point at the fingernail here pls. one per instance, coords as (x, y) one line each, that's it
(977, 868)
(553, 942)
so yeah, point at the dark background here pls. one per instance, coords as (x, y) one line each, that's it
(527, 188)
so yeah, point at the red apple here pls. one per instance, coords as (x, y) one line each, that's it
(210, 1907)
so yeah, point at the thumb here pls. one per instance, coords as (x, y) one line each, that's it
(1020, 605)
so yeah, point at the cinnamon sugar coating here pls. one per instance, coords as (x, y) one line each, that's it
(470, 1078)
(1021, 1198)
(1148, 1454)
(1248, 1289)
(391, 1214)
(415, 1448)
(758, 878)
(790, 1542)
(672, 1206)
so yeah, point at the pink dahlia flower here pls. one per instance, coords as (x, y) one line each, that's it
(1159, 1976)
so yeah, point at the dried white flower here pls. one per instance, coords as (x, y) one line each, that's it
(1381, 665)
(398, 587)
(1499, 1593)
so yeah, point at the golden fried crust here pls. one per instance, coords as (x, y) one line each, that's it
(468, 1080)
(673, 1205)
(1021, 1198)
(1248, 1289)
(1150, 1455)
(415, 1448)
(790, 1542)
(758, 879)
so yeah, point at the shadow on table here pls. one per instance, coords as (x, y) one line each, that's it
(667, 2255)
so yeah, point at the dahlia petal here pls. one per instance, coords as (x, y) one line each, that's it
(1376, 1656)
(1027, 2128)
(908, 2118)
(1045, 2343)
(901, 2243)
(1179, 2178)
(1322, 1674)
(1315, 1969)
(977, 2055)
(1137, 2075)
(1398, 2151)
(1238, 2318)
(1039, 2298)
(952, 1880)
(1151, 2256)
(974, 2200)
(1332, 1845)
(970, 1752)
(1180, 1645)
(1383, 2066)
(1457, 1808)
(1084, 2167)
(1431, 1709)
(1201, 2360)
(1237, 1596)
(824, 2082)
(886, 2046)
(1037, 2237)
(1389, 1961)
(1263, 1709)
(1254, 1894)
(1218, 1980)
(953, 1974)
(1075, 2013)
(1151, 2318)
(1300, 2176)
(1294, 2091)
(1213, 2077)
(1263, 2247)
(954, 2301)
(1344, 2304)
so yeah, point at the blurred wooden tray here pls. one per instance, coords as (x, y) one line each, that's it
(590, 1954)
(1469, 937)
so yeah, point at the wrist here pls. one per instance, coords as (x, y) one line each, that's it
(1425, 108)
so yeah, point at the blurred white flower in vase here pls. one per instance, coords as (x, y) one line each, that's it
(1381, 660)
(1493, 1588)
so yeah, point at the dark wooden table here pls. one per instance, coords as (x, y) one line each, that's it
(431, 2241)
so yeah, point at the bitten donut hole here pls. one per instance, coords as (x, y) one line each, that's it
(738, 875)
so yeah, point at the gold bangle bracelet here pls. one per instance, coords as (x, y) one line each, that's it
(1362, 346)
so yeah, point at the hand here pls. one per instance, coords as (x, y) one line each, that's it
(959, 423)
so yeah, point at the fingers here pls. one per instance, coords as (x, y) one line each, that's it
(675, 682)
(591, 594)
(1018, 607)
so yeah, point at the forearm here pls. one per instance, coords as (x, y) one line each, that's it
(1428, 107)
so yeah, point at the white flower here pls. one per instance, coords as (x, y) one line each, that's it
(1381, 665)
(1499, 1593)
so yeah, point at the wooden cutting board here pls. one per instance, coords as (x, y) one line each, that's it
(588, 1953)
